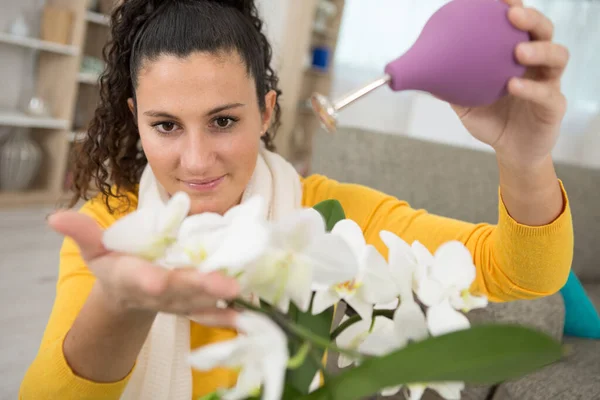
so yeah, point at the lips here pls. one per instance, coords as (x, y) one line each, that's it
(203, 185)
(201, 181)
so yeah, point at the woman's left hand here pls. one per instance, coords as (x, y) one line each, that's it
(523, 126)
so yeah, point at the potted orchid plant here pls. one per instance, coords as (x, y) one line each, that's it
(407, 330)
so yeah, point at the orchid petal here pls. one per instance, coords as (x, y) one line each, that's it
(466, 302)
(210, 356)
(448, 390)
(316, 383)
(248, 383)
(416, 391)
(200, 224)
(351, 232)
(422, 254)
(254, 208)
(402, 262)
(344, 361)
(298, 230)
(242, 245)
(299, 282)
(453, 265)
(382, 340)
(362, 308)
(134, 234)
(274, 367)
(323, 300)
(377, 285)
(333, 261)
(176, 210)
(392, 305)
(410, 322)
(430, 291)
(391, 391)
(352, 336)
(443, 319)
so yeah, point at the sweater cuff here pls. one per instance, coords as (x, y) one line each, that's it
(513, 226)
(84, 388)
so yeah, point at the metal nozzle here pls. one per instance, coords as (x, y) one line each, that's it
(327, 111)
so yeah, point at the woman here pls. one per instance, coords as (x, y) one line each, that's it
(191, 80)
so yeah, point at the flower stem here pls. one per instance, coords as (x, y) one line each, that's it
(298, 330)
(298, 359)
(356, 318)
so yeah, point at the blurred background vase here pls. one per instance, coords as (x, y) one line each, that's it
(20, 161)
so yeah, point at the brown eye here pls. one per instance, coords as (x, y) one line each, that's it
(168, 126)
(165, 128)
(223, 122)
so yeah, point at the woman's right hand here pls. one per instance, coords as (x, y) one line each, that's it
(131, 284)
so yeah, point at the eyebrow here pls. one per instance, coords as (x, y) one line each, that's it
(216, 110)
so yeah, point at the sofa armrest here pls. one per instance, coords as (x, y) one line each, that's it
(546, 314)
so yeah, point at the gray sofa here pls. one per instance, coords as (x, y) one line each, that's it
(462, 183)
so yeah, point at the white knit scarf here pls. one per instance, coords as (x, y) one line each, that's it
(162, 371)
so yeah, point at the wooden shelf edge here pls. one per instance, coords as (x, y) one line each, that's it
(88, 78)
(29, 198)
(97, 18)
(21, 120)
(37, 44)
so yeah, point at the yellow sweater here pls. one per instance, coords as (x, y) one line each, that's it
(513, 262)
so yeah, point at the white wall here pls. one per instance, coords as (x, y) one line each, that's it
(372, 36)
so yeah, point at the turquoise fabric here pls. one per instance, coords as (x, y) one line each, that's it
(581, 317)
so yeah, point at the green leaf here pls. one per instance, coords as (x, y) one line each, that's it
(485, 354)
(301, 377)
(332, 211)
(210, 396)
(290, 393)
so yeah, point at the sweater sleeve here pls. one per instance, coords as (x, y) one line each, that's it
(513, 261)
(50, 376)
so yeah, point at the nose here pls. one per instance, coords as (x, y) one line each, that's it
(197, 153)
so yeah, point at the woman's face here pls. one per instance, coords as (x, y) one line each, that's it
(200, 126)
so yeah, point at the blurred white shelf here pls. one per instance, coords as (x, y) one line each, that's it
(76, 136)
(97, 18)
(19, 119)
(37, 44)
(88, 78)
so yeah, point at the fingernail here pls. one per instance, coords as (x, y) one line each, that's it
(518, 84)
(526, 50)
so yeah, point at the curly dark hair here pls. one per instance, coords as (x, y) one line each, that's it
(110, 160)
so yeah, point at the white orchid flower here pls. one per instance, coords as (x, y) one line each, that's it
(148, 232)
(227, 243)
(260, 352)
(409, 324)
(300, 254)
(443, 283)
(353, 337)
(372, 283)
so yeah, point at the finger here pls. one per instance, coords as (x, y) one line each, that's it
(83, 229)
(531, 20)
(179, 291)
(544, 54)
(187, 289)
(541, 93)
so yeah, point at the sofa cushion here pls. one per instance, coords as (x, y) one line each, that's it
(544, 314)
(593, 292)
(577, 377)
(451, 181)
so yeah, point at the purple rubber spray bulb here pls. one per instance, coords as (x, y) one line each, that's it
(464, 55)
